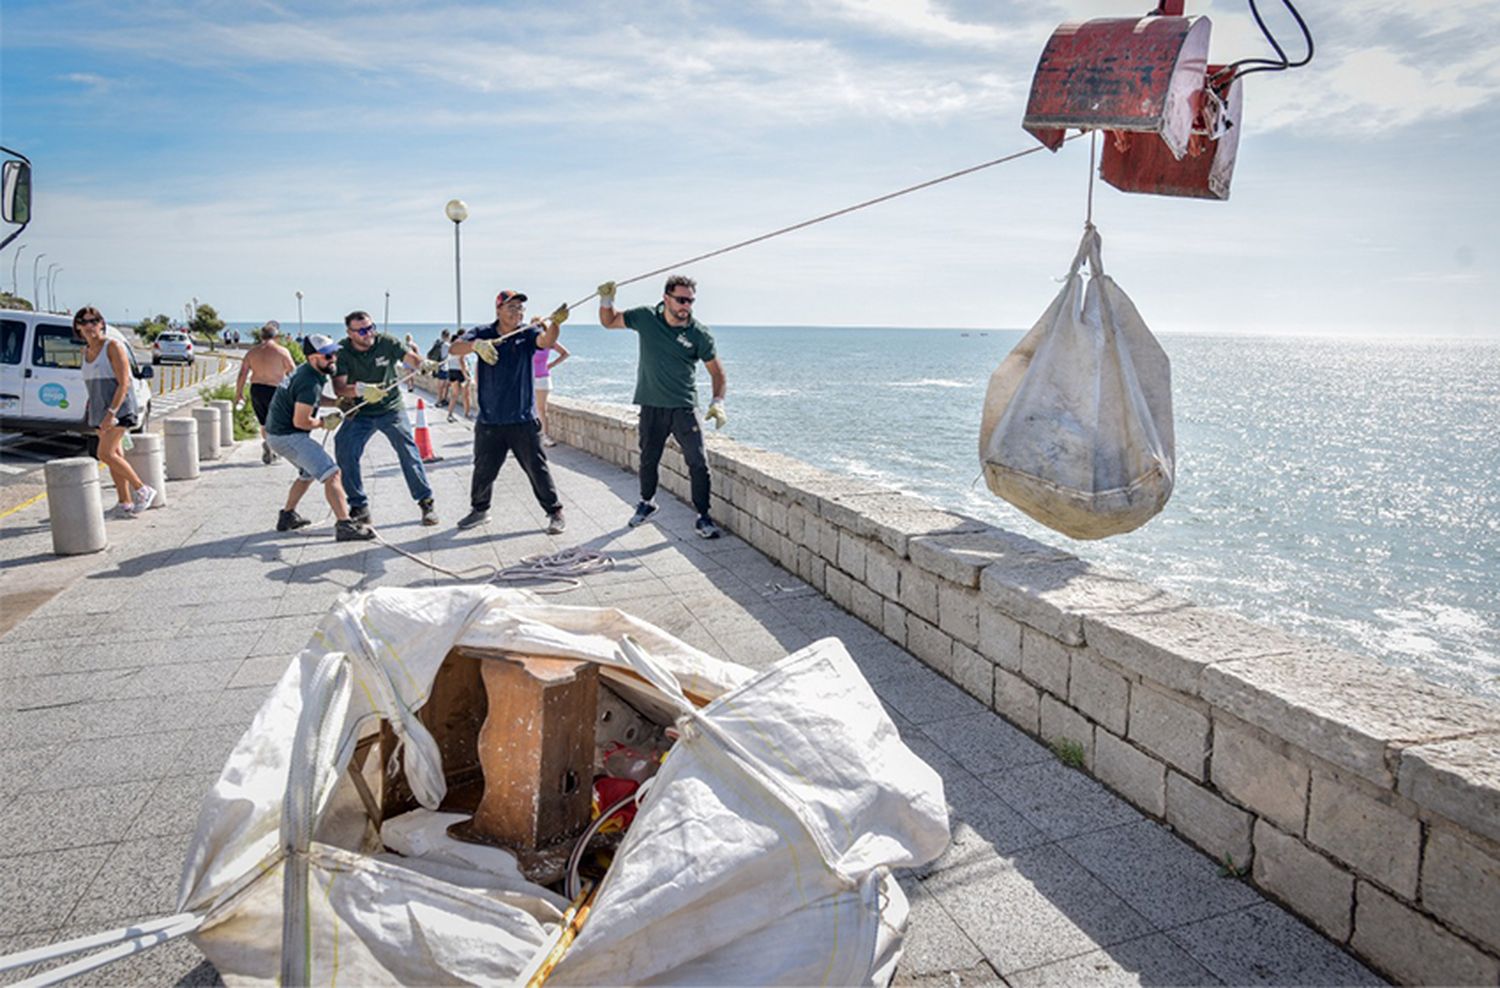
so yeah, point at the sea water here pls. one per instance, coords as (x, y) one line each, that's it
(1344, 489)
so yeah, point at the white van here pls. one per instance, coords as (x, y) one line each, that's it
(41, 376)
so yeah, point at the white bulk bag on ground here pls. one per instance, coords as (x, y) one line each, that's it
(1077, 426)
(760, 853)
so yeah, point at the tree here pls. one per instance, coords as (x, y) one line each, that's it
(206, 322)
(9, 301)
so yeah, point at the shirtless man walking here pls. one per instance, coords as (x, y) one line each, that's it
(265, 366)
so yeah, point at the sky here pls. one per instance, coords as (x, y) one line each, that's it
(239, 152)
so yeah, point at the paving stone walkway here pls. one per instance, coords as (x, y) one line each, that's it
(124, 692)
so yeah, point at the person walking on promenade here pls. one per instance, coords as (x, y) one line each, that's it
(369, 364)
(438, 354)
(458, 384)
(411, 345)
(507, 406)
(289, 425)
(671, 344)
(265, 365)
(541, 371)
(111, 407)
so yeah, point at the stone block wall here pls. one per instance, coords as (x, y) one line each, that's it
(1362, 797)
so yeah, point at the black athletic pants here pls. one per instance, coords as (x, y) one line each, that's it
(683, 425)
(491, 443)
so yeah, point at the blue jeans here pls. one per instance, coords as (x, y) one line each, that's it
(349, 445)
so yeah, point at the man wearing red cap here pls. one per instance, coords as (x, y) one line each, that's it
(507, 419)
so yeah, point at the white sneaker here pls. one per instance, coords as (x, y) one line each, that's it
(120, 510)
(548, 441)
(144, 497)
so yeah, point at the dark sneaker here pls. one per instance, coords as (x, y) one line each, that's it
(265, 453)
(360, 514)
(706, 528)
(643, 511)
(557, 524)
(289, 520)
(476, 517)
(429, 513)
(350, 530)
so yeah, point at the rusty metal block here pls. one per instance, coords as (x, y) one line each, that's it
(536, 751)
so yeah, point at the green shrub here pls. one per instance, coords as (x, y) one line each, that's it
(149, 329)
(294, 348)
(245, 426)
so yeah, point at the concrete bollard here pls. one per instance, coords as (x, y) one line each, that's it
(226, 421)
(146, 459)
(74, 507)
(181, 436)
(208, 432)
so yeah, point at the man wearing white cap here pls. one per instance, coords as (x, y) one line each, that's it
(289, 426)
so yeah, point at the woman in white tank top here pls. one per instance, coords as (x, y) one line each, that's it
(111, 408)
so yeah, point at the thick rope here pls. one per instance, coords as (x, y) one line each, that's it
(1088, 219)
(826, 216)
(567, 566)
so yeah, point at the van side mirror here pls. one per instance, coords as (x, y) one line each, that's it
(16, 204)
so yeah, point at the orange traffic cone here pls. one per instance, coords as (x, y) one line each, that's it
(423, 435)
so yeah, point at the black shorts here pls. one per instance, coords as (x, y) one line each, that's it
(457, 376)
(260, 400)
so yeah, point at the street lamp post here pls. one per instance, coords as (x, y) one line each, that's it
(299, 317)
(387, 327)
(13, 260)
(35, 302)
(52, 288)
(457, 211)
(47, 284)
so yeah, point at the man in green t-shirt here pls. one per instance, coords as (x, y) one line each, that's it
(369, 366)
(671, 344)
(290, 421)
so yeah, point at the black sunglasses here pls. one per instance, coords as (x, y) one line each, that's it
(90, 321)
(363, 330)
(682, 299)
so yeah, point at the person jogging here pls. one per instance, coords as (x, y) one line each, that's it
(265, 365)
(671, 344)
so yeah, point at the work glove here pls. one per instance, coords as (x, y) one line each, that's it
(607, 295)
(486, 351)
(331, 420)
(370, 394)
(429, 367)
(716, 413)
(347, 403)
(559, 315)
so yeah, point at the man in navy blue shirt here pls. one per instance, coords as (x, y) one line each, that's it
(507, 405)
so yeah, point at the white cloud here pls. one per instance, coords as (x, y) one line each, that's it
(88, 80)
(923, 21)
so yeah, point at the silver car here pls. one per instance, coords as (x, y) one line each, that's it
(172, 347)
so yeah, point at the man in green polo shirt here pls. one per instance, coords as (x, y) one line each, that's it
(671, 344)
(369, 366)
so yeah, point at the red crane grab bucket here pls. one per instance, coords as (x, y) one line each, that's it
(1146, 81)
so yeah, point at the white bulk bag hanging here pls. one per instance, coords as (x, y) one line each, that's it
(1077, 427)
